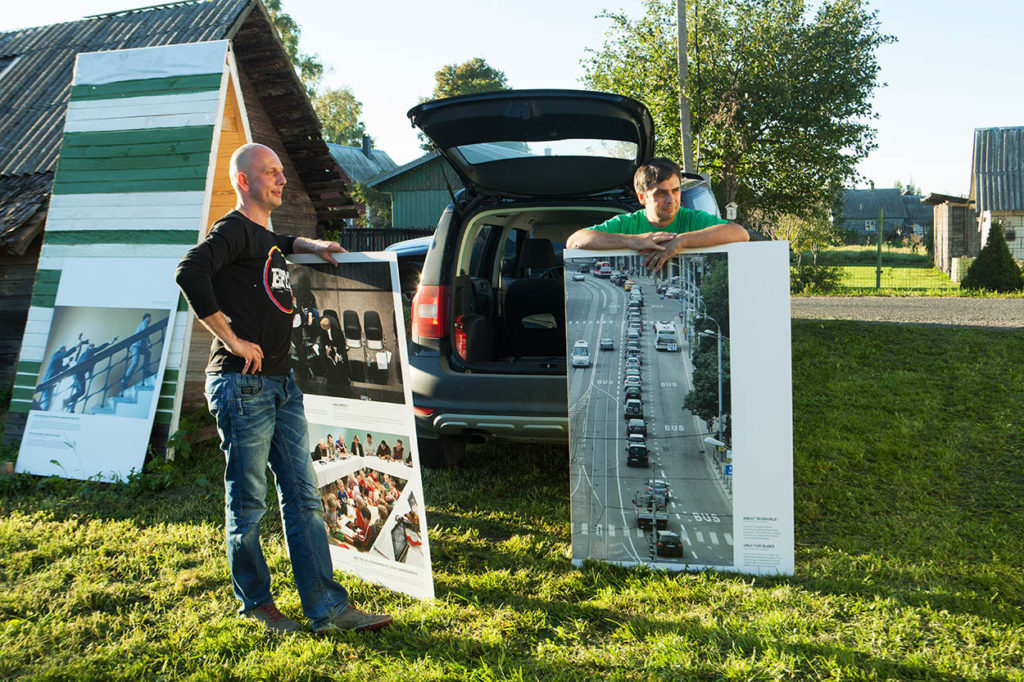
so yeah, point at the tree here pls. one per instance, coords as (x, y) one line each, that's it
(702, 400)
(468, 78)
(338, 111)
(378, 206)
(308, 66)
(909, 188)
(804, 234)
(780, 102)
(994, 268)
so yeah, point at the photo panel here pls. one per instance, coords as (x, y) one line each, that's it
(349, 347)
(103, 358)
(345, 332)
(655, 433)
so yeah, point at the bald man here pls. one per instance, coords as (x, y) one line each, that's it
(236, 282)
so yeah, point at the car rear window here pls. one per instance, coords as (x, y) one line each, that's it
(486, 152)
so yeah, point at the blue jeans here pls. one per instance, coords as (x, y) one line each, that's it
(261, 421)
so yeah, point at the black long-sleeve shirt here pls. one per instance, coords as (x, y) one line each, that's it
(240, 270)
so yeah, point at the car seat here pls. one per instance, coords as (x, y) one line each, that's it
(535, 305)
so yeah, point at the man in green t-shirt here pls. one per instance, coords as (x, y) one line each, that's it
(663, 228)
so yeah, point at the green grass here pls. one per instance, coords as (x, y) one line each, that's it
(897, 277)
(868, 255)
(908, 485)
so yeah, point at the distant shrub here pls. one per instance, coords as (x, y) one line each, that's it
(995, 268)
(815, 279)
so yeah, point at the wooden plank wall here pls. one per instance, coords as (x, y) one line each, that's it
(295, 216)
(131, 182)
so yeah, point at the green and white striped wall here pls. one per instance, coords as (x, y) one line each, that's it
(133, 181)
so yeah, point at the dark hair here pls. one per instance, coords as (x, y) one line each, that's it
(655, 170)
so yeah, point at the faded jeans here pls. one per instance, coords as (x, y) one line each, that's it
(261, 422)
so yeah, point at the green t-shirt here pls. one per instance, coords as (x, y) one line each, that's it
(687, 220)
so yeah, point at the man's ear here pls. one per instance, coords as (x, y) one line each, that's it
(242, 180)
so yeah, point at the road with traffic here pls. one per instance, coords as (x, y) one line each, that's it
(604, 524)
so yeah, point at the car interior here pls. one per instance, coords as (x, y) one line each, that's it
(508, 298)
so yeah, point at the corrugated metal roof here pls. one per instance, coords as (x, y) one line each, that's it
(34, 90)
(864, 204)
(997, 175)
(359, 167)
(35, 87)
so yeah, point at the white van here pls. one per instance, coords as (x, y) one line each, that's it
(581, 354)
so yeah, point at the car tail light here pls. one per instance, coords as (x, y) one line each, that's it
(430, 312)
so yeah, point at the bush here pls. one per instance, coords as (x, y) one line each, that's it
(815, 279)
(994, 268)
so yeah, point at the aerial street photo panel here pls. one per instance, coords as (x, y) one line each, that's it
(680, 418)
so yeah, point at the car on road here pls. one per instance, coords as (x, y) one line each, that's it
(632, 380)
(578, 277)
(581, 354)
(633, 362)
(636, 426)
(636, 454)
(633, 372)
(635, 353)
(668, 543)
(634, 409)
(659, 487)
(535, 166)
(606, 343)
(632, 393)
(673, 292)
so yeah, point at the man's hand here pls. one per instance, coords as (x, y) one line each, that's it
(252, 353)
(219, 326)
(651, 242)
(320, 247)
(654, 260)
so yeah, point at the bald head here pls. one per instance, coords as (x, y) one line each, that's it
(245, 159)
(258, 180)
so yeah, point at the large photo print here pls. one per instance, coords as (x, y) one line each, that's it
(653, 394)
(349, 357)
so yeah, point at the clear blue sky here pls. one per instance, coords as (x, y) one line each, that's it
(955, 68)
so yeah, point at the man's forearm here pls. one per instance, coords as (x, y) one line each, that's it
(726, 233)
(219, 326)
(588, 238)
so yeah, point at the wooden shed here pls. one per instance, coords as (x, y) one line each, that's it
(34, 94)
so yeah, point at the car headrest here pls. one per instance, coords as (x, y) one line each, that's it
(537, 253)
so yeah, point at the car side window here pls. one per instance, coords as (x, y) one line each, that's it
(510, 254)
(476, 255)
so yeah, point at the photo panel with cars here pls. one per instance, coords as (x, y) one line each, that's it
(680, 433)
(350, 360)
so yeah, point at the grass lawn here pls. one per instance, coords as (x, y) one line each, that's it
(897, 277)
(909, 466)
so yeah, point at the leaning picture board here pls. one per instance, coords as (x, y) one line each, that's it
(680, 409)
(146, 132)
(349, 357)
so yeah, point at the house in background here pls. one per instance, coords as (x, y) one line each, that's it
(360, 165)
(955, 234)
(904, 214)
(421, 189)
(997, 184)
(36, 67)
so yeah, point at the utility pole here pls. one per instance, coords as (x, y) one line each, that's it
(881, 235)
(686, 137)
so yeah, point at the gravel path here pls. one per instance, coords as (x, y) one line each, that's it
(956, 312)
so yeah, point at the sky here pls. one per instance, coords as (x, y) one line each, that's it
(955, 67)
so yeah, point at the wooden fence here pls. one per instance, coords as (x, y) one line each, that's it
(376, 239)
